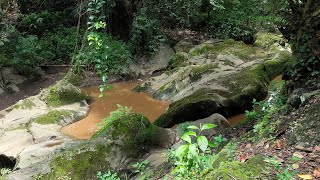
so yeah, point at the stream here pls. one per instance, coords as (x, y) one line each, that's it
(101, 107)
(121, 94)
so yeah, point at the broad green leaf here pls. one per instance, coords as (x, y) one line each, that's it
(203, 143)
(207, 126)
(193, 149)
(182, 150)
(211, 144)
(190, 133)
(186, 138)
(192, 127)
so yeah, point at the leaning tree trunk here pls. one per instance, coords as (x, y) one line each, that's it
(304, 30)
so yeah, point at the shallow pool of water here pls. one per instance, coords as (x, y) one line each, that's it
(101, 107)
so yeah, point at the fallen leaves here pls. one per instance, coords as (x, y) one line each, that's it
(243, 158)
(278, 144)
(305, 176)
(316, 172)
(298, 155)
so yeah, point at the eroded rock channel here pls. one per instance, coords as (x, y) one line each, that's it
(120, 94)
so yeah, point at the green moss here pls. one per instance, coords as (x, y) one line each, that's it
(177, 60)
(266, 40)
(175, 114)
(73, 78)
(278, 64)
(134, 131)
(21, 126)
(197, 71)
(53, 117)
(63, 94)
(252, 169)
(77, 164)
(230, 46)
(25, 104)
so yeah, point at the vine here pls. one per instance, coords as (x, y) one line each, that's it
(95, 24)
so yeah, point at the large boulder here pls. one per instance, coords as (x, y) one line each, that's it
(150, 64)
(221, 77)
(115, 146)
(30, 130)
(10, 79)
(63, 93)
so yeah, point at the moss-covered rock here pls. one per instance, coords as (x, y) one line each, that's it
(230, 46)
(240, 89)
(122, 138)
(83, 161)
(133, 132)
(25, 104)
(74, 78)
(251, 169)
(184, 46)
(176, 61)
(62, 94)
(266, 40)
(53, 117)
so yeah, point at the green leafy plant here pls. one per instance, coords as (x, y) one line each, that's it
(117, 51)
(146, 36)
(98, 53)
(42, 22)
(107, 175)
(193, 158)
(140, 166)
(282, 173)
(60, 45)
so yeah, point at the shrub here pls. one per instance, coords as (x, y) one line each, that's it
(194, 158)
(28, 55)
(117, 52)
(146, 36)
(61, 44)
(43, 22)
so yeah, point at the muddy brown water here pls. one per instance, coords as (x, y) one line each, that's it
(101, 107)
(234, 120)
(121, 94)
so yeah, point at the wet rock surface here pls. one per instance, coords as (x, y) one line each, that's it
(216, 77)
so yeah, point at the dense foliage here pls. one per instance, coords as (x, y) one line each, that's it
(35, 33)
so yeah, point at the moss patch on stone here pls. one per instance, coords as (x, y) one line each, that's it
(251, 169)
(25, 104)
(134, 131)
(278, 64)
(198, 105)
(63, 94)
(266, 40)
(53, 117)
(74, 78)
(230, 46)
(176, 61)
(197, 71)
(80, 163)
(225, 167)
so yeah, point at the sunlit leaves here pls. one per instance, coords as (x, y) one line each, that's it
(203, 143)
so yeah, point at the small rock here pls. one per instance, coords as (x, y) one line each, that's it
(295, 166)
(298, 155)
